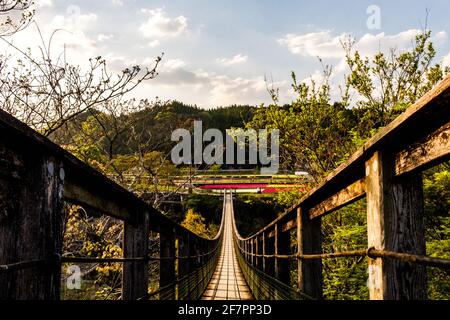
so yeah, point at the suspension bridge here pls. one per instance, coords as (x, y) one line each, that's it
(38, 179)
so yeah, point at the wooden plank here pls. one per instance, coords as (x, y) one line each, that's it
(31, 224)
(340, 199)
(264, 250)
(183, 251)
(167, 266)
(282, 247)
(289, 225)
(309, 241)
(270, 262)
(394, 223)
(135, 245)
(434, 148)
(273, 292)
(244, 243)
(76, 194)
(254, 251)
(257, 260)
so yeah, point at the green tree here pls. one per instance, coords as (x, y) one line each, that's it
(314, 133)
(390, 82)
(318, 135)
(195, 222)
(437, 226)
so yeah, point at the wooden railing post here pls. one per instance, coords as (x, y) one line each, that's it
(395, 223)
(264, 265)
(246, 250)
(167, 266)
(282, 247)
(183, 251)
(31, 220)
(135, 245)
(197, 252)
(192, 253)
(309, 240)
(257, 264)
(251, 252)
(270, 262)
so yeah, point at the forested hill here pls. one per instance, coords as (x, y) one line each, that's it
(149, 123)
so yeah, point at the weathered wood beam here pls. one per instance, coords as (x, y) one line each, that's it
(282, 247)
(76, 194)
(31, 222)
(340, 199)
(289, 225)
(309, 241)
(183, 251)
(434, 148)
(394, 223)
(135, 245)
(167, 266)
(264, 252)
(257, 251)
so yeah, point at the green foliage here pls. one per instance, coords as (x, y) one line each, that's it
(209, 206)
(254, 211)
(345, 230)
(437, 223)
(388, 83)
(288, 198)
(317, 135)
(314, 133)
(99, 237)
(196, 223)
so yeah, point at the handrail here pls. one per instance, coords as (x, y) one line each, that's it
(433, 107)
(38, 177)
(33, 166)
(386, 170)
(262, 285)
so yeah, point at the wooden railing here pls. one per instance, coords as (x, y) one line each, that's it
(37, 178)
(387, 172)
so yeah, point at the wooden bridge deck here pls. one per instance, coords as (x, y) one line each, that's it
(227, 282)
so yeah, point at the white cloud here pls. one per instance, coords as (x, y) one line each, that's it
(174, 64)
(206, 88)
(446, 60)
(69, 33)
(237, 59)
(117, 3)
(326, 45)
(314, 44)
(73, 34)
(45, 3)
(159, 25)
(104, 37)
(227, 90)
(370, 44)
(154, 43)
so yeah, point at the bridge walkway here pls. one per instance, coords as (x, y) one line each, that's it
(227, 282)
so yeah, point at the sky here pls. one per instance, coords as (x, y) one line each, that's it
(218, 53)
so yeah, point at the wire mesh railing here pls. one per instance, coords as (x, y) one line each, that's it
(264, 286)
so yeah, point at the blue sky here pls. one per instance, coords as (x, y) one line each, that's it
(218, 52)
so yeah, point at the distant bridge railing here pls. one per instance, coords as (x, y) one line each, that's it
(37, 179)
(387, 172)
